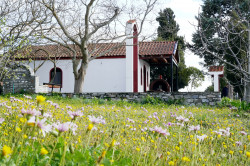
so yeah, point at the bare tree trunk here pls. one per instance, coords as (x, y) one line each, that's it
(247, 84)
(79, 81)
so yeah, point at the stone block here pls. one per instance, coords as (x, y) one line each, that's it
(190, 100)
(178, 96)
(205, 100)
(195, 96)
(211, 103)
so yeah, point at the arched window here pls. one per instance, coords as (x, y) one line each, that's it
(56, 78)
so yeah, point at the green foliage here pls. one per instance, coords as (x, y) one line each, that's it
(223, 32)
(151, 100)
(180, 101)
(236, 104)
(168, 28)
(193, 76)
(210, 88)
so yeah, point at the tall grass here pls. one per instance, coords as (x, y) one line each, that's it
(76, 132)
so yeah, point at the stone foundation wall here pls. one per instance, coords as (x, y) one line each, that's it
(189, 98)
(19, 79)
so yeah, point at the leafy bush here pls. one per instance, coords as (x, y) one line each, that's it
(238, 104)
(151, 100)
(176, 101)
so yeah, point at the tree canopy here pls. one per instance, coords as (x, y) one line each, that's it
(221, 38)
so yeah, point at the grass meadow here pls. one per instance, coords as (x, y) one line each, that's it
(61, 131)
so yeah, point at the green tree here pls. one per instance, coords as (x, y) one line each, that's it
(222, 39)
(167, 31)
(194, 76)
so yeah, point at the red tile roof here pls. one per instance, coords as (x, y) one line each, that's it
(131, 21)
(111, 49)
(216, 68)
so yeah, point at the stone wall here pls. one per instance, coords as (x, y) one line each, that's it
(19, 79)
(189, 98)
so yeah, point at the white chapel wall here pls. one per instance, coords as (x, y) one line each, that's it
(106, 75)
(103, 75)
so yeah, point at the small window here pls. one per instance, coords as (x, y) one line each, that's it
(147, 78)
(56, 78)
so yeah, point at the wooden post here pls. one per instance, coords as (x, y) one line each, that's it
(172, 83)
(176, 78)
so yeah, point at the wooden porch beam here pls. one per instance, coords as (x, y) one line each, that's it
(164, 60)
(155, 60)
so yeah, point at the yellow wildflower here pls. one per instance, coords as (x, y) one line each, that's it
(106, 144)
(170, 163)
(185, 159)
(143, 139)
(90, 127)
(248, 154)
(177, 148)
(103, 154)
(25, 136)
(113, 143)
(44, 151)
(40, 99)
(231, 152)
(6, 151)
(18, 129)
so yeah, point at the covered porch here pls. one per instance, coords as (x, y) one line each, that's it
(166, 61)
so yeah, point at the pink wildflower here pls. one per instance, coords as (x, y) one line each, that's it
(33, 112)
(75, 114)
(97, 120)
(201, 138)
(194, 128)
(1, 120)
(182, 119)
(61, 127)
(27, 97)
(223, 132)
(243, 132)
(69, 107)
(46, 128)
(238, 143)
(130, 120)
(160, 130)
(73, 127)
